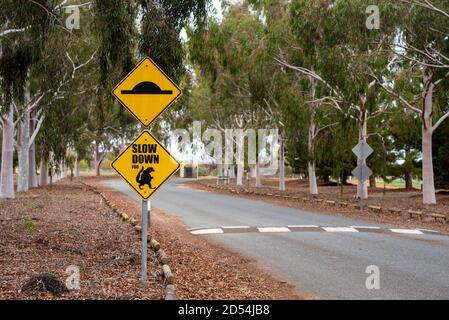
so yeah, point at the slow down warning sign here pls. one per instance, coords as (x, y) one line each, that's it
(145, 164)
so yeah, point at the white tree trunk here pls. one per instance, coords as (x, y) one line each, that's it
(231, 172)
(43, 173)
(23, 152)
(252, 171)
(64, 170)
(32, 181)
(240, 171)
(24, 144)
(282, 164)
(258, 178)
(427, 160)
(77, 166)
(313, 187)
(312, 133)
(7, 170)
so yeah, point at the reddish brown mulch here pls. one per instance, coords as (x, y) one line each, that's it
(48, 229)
(203, 269)
(399, 199)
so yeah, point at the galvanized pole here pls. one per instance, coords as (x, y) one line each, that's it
(149, 214)
(144, 270)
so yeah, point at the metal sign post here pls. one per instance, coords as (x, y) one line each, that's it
(362, 150)
(144, 267)
(146, 164)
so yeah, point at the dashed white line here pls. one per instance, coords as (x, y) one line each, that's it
(406, 231)
(274, 229)
(340, 229)
(236, 227)
(303, 226)
(365, 227)
(208, 231)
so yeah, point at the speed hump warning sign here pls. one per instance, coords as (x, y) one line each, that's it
(146, 91)
(145, 164)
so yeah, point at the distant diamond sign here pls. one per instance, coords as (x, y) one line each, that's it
(362, 172)
(362, 150)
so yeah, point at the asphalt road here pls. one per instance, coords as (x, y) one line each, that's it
(326, 265)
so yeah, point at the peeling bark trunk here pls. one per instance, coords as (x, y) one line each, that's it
(24, 154)
(240, 171)
(427, 132)
(313, 186)
(282, 164)
(24, 144)
(252, 171)
(7, 170)
(231, 172)
(427, 166)
(220, 169)
(32, 181)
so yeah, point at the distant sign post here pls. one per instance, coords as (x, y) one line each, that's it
(146, 164)
(362, 172)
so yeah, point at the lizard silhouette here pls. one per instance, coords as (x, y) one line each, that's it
(144, 177)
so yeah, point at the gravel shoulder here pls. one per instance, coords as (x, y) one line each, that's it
(49, 229)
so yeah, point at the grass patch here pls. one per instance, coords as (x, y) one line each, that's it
(29, 224)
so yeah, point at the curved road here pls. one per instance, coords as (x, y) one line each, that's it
(327, 265)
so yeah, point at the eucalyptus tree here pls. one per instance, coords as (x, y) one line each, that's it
(344, 50)
(24, 27)
(421, 54)
(225, 53)
(124, 31)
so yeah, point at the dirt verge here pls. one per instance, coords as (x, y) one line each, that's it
(47, 230)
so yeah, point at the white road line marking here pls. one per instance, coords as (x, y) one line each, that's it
(236, 227)
(208, 231)
(302, 226)
(273, 229)
(364, 227)
(339, 229)
(407, 231)
(428, 230)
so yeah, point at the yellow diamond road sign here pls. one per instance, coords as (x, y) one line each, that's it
(146, 91)
(145, 164)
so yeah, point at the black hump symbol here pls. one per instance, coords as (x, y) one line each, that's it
(147, 87)
(144, 177)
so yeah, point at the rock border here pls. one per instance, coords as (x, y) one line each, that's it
(437, 217)
(165, 271)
